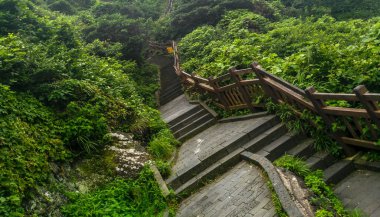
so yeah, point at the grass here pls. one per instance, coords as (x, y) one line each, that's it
(326, 202)
(120, 197)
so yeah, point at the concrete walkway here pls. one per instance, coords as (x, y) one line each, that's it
(242, 191)
(361, 190)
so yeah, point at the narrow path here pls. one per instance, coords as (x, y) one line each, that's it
(241, 191)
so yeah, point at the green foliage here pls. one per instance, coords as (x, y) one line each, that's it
(310, 52)
(293, 164)
(305, 52)
(70, 6)
(147, 83)
(29, 140)
(131, 8)
(323, 196)
(373, 156)
(322, 142)
(348, 9)
(164, 168)
(62, 6)
(140, 197)
(162, 144)
(190, 14)
(61, 96)
(131, 33)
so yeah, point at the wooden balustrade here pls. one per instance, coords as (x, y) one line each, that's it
(355, 126)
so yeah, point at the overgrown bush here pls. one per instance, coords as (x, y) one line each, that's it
(29, 140)
(140, 197)
(60, 97)
(330, 55)
(62, 6)
(162, 144)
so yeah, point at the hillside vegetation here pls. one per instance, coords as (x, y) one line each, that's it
(74, 71)
(334, 56)
(66, 83)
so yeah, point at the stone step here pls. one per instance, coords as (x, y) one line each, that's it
(271, 134)
(338, 171)
(303, 150)
(185, 115)
(167, 92)
(244, 117)
(219, 167)
(170, 88)
(256, 130)
(188, 120)
(208, 122)
(278, 147)
(194, 123)
(320, 160)
(169, 98)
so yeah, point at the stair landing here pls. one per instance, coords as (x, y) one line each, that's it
(241, 191)
(361, 190)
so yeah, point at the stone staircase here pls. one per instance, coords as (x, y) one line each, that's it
(213, 147)
(266, 137)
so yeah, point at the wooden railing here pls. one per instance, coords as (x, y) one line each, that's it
(357, 125)
(229, 91)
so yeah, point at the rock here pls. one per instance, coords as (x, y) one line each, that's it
(300, 194)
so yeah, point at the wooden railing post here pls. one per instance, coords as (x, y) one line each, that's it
(196, 82)
(243, 92)
(318, 105)
(267, 90)
(369, 105)
(221, 98)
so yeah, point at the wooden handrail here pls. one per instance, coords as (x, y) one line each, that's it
(231, 91)
(257, 69)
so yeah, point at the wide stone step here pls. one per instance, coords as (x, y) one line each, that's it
(208, 122)
(194, 123)
(320, 160)
(186, 114)
(211, 172)
(170, 88)
(188, 120)
(167, 92)
(338, 171)
(271, 134)
(278, 147)
(259, 127)
(303, 150)
(170, 97)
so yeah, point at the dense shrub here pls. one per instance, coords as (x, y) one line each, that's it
(62, 6)
(190, 14)
(29, 140)
(61, 96)
(333, 56)
(341, 10)
(140, 197)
